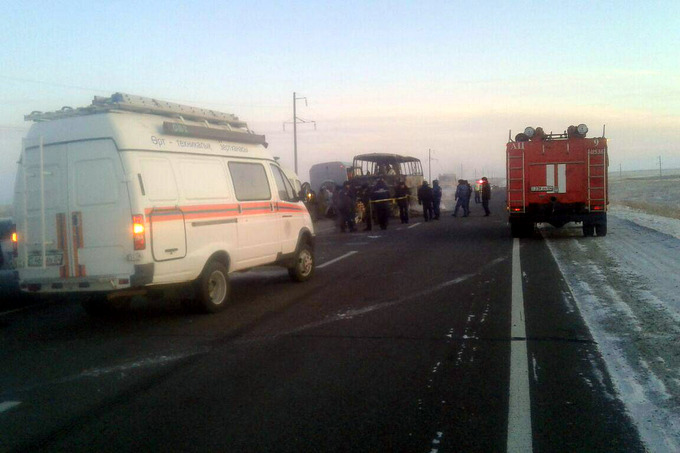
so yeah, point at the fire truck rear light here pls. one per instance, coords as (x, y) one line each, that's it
(597, 208)
(138, 232)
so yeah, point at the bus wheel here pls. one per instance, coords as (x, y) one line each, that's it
(303, 264)
(212, 288)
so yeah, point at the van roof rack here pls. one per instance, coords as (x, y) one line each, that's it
(140, 104)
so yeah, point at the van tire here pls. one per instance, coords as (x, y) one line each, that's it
(212, 289)
(303, 264)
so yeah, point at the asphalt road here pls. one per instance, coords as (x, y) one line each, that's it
(402, 341)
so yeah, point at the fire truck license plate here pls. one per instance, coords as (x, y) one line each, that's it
(542, 188)
(53, 259)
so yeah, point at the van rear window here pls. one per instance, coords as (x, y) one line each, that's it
(250, 181)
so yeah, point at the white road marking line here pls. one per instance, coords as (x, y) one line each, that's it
(328, 263)
(7, 405)
(519, 411)
(413, 226)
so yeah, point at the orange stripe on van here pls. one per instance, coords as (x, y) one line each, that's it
(62, 240)
(289, 207)
(77, 230)
(204, 211)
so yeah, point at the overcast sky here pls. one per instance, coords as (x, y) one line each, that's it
(404, 77)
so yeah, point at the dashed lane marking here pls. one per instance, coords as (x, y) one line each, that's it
(7, 405)
(328, 263)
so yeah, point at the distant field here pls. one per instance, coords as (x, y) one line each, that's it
(644, 190)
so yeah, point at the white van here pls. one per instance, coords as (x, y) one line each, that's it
(132, 192)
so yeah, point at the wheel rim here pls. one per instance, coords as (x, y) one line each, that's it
(217, 288)
(305, 263)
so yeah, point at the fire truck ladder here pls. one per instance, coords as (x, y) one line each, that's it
(597, 181)
(515, 181)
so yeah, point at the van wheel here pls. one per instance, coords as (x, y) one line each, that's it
(303, 266)
(212, 288)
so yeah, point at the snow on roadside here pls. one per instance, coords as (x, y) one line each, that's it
(661, 224)
(627, 290)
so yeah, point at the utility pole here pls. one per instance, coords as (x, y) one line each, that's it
(429, 165)
(295, 121)
(659, 167)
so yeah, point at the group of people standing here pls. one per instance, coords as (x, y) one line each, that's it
(464, 192)
(377, 199)
(374, 198)
(430, 198)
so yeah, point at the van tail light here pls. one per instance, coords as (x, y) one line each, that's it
(138, 232)
(15, 244)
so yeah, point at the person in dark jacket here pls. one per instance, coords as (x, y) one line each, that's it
(462, 198)
(365, 196)
(344, 202)
(425, 198)
(402, 193)
(436, 198)
(486, 196)
(470, 197)
(379, 195)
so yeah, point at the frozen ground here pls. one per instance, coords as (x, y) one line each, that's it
(627, 288)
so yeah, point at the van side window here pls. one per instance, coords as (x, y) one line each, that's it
(203, 179)
(286, 191)
(159, 180)
(250, 181)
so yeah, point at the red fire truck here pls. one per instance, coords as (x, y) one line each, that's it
(556, 179)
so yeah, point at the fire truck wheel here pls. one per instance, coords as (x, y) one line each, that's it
(212, 288)
(515, 230)
(521, 229)
(601, 229)
(588, 230)
(303, 265)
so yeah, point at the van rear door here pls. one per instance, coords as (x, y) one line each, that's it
(85, 209)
